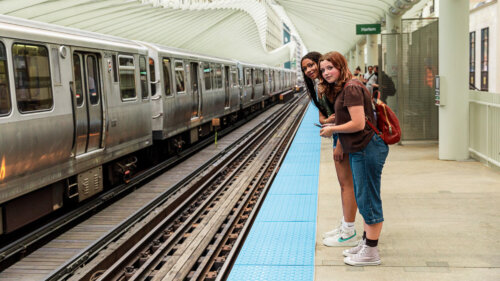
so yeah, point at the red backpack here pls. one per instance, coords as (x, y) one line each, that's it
(387, 122)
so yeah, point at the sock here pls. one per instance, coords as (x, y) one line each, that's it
(364, 235)
(371, 243)
(347, 224)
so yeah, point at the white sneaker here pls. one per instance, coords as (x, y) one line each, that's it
(333, 232)
(366, 256)
(346, 237)
(355, 250)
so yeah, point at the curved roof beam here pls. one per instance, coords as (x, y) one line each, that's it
(256, 10)
(347, 7)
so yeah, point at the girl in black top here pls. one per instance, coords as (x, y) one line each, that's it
(345, 233)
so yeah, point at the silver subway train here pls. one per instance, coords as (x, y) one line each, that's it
(76, 108)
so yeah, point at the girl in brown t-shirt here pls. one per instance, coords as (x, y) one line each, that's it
(367, 151)
(345, 233)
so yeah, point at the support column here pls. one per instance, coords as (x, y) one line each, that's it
(393, 27)
(497, 70)
(453, 67)
(349, 60)
(360, 56)
(372, 49)
(353, 59)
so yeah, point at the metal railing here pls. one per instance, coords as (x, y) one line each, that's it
(484, 124)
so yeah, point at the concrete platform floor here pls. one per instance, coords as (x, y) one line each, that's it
(442, 219)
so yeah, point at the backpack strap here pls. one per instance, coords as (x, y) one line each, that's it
(373, 127)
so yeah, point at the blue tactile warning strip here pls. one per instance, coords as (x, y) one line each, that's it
(281, 243)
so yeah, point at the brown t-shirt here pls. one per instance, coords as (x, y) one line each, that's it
(352, 95)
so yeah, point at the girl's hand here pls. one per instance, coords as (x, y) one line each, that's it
(327, 131)
(330, 119)
(338, 152)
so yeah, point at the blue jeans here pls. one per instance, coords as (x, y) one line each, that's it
(335, 138)
(366, 166)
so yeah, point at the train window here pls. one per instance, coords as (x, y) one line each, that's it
(166, 76)
(207, 75)
(77, 69)
(248, 77)
(115, 71)
(258, 78)
(180, 77)
(127, 77)
(143, 76)
(5, 105)
(93, 80)
(32, 77)
(218, 77)
(234, 77)
(56, 66)
(152, 76)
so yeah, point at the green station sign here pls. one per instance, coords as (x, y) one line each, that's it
(368, 28)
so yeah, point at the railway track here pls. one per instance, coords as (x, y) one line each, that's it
(27, 243)
(193, 231)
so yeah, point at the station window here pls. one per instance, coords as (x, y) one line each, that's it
(472, 58)
(152, 76)
(77, 70)
(248, 77)
(207, 76)
(180, 77)
(143, 72)
(5, 104)
(234, 77)
(93, 80)
(166, 76)
(218, 77)
(32, 77)
(484, 58)
(127, 77)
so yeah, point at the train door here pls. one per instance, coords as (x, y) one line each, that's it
(195, 112)
(226, 86)
(88, 107)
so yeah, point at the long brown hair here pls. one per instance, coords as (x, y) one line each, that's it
(340, 63)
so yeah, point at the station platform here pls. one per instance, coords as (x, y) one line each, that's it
(442, 218)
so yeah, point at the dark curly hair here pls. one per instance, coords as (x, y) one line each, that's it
(314, 56)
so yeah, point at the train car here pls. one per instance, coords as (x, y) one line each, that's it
(76, 110)
(71, 101)
(252, 84)
(189, 90)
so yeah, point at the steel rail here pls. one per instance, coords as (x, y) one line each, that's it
(224, 270)
(91, 251)
(116, 267)
(19, 248)
(228, 221)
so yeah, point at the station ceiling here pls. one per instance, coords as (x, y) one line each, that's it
(225, 28)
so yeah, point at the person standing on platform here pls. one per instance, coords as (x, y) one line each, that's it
(345, 233)
(367, 152)
(357, 74)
